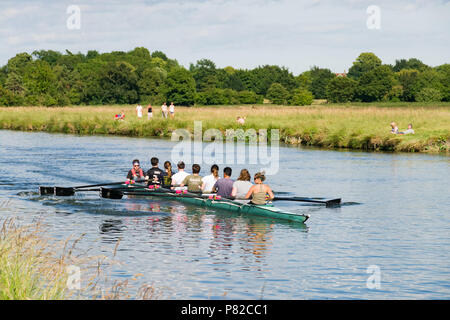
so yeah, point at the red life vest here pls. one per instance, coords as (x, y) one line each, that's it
(141, 173)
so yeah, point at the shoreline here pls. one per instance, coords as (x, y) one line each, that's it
(325, 126)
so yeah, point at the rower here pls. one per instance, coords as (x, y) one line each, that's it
(168, 174)
(224, 185)
(136, 173)
(259, 191)
(155, 175)
(178, 177)
(194, 181)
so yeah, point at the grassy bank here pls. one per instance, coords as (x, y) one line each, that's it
(354, 126)
(36, 267)
(28, 268)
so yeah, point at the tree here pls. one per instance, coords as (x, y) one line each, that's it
(412, 63)
(444, 72)
(205, 74)
(408, 79)
(151, 83)
(341, 89)
(179, 87)
(374, 85)
(49, 56)
(249, 97)
(118, 83)
(19, 63)
(365, 62)
(429, 95)
(301, 97)
(319, 81)
(278, 94)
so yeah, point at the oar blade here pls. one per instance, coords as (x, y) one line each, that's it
(333, 203)
(46, 191)
(110, 193)
(64, 192)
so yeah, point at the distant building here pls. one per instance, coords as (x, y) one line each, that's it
(344, 74)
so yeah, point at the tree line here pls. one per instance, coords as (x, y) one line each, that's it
(52, 78)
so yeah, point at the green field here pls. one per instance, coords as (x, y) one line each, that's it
(355, 126)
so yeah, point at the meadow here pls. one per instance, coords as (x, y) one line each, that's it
(361, 126)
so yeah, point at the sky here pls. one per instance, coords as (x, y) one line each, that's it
(296, 34)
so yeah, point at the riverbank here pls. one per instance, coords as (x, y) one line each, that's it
(353, 126)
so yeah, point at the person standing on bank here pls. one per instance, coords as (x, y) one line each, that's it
(149, 112)
(139, 111)
(172, 110)
(164, 110)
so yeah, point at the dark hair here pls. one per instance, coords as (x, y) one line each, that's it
(244, 175)
(136, 161)
(215, 170)
(260, 175)
(168, 166)
(227, 171)
(154, 161)
(180, 165)
(195, 168)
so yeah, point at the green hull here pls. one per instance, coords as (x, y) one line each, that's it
(260, 210)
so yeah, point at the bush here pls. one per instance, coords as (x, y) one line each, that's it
(278, 94)
(429, 95)
(301, 97)
(341, 89)
(249, 97)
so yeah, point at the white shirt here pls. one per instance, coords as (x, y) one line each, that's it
(139, 111)
(242, 188)
(209, 182)
(178, 177)
(164, 108)
(172, 108)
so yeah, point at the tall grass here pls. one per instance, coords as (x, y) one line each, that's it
(355, 126)
(35, 267)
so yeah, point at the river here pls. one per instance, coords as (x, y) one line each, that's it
(390, 239)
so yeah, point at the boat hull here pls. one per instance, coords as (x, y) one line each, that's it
(268, 210)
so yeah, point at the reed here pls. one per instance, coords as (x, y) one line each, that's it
(36, 267)
(354, 126)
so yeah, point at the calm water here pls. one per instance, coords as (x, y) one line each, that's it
(401, 226)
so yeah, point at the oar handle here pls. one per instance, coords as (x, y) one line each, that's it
(106, 184)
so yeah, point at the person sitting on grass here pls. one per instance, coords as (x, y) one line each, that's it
(409, 130)
(394, 127)
(120, 116)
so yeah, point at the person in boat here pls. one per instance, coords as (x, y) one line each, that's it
(224, 185)
(168, 176)
(178, 177)
(259, 190)
(241, 185)
(193, 181)
(136, 173)
(210, 180)
(155, 175)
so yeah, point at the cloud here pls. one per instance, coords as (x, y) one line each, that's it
(242, 33)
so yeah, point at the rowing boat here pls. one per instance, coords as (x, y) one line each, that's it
(211, 201)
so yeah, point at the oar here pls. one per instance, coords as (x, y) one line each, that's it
(328, 203)
(70, 191)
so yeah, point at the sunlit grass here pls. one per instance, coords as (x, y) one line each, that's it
(35, 267)
(355, 126)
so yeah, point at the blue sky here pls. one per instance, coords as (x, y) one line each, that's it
(296, 34)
